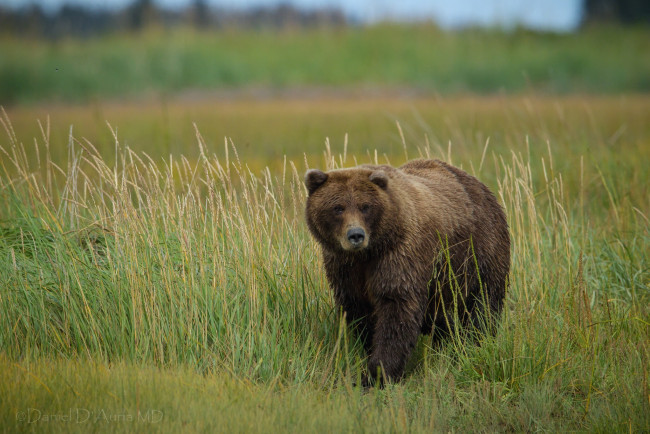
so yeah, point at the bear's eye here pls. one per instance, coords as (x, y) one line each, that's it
(364, 208)
(338, 209)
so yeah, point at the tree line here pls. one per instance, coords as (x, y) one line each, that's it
(82, 21)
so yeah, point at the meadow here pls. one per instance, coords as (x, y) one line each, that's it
(156, 272)
(601, 59)
(183, 293)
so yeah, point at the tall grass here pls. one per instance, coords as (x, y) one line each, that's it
(185, 286)
(171, 264)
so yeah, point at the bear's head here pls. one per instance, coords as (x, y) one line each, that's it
(346, 208)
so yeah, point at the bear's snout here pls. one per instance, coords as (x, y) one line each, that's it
(356, 236)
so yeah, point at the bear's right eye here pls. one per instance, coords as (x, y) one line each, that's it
(338, 209)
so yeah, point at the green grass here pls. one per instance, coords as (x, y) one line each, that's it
(189, 288)
(598, 59)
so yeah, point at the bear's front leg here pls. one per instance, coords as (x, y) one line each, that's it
(347, 280)
(358, 316)
(397, 327)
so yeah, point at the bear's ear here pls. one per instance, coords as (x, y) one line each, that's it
(379, 178)
(314, 178)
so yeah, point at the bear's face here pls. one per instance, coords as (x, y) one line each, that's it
(345, 207)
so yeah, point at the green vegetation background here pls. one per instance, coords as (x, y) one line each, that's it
(602, 59)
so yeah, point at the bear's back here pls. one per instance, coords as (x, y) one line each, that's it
(470, 196)
(444, 175)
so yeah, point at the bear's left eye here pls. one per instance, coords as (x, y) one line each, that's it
(364, 208)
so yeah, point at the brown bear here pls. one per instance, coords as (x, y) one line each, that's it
(417, 249)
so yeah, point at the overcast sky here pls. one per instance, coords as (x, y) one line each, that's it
(561, 15)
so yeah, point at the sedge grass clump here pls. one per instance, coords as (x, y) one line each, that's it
(179, 262)
(205, 269)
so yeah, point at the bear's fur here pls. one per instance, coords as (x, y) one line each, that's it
(409, 250)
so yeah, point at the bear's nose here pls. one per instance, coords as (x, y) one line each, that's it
(356, 236)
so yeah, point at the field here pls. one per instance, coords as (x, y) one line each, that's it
(599, 59)
(156, 272)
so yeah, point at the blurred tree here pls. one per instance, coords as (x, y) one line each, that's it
(35, 20)
(624, 11)
(79, 21)
(141, 14)
(200, 13)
